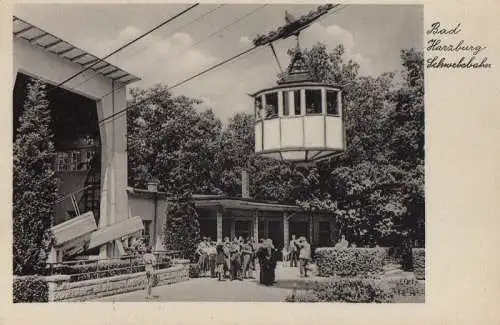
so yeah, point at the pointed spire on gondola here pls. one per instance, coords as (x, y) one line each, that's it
(298, 70)
(289, 18)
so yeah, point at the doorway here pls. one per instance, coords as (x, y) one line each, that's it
(275, 232)
(299, 229)
(242, 228)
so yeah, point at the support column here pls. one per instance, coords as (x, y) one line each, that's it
(303, 102)
(323, 101)
(113, 132)
(256, 225)
(286, 231)
(219, 224)
(291, 103)
(311, 229)
(233, 230)
(280, 103)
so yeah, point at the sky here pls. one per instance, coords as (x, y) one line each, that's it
(373, 36)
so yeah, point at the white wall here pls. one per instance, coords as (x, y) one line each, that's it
(36, 62)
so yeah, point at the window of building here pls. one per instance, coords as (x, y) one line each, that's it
(286, 103)
(332, 107)
(258, 107)
(271, 105)
(313, 101)
(324, 233)
(208, 228)
(296, 99)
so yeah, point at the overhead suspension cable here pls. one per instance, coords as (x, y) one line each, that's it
(184, 26)
(200, 41)
(139, 51)
(190, 78)
(224, 28)
(179, 83)
(126, 45)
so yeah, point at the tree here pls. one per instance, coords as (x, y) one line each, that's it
(181, 228)
(174, 143)
(171, 141)
(34, 183)
(375, 189)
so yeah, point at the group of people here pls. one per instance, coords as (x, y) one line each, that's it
(237, 259)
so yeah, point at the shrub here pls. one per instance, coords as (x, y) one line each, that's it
(194, 270)
(419, 263)
(30, 289)
(34, 182)
(302, 296)
(106, 269)
(350, 261)
(181, 227)
(407, 287)
(354, 290)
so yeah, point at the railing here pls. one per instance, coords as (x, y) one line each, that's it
(80, 270)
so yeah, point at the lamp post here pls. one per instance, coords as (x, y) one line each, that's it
(153, 187)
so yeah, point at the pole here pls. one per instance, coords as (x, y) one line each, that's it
(154, 219)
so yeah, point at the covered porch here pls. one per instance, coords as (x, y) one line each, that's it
(234, 217)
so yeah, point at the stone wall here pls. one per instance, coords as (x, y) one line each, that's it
(60, 289)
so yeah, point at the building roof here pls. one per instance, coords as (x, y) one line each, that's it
(245, 204)
(209, 201)
(55, 45)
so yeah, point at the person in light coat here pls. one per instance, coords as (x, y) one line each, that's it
(304, 255)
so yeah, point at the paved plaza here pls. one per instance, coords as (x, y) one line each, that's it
(248, 290)
(208, 289)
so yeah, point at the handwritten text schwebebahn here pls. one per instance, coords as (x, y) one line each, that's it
(441, 43)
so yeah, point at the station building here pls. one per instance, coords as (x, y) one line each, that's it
(97, 212)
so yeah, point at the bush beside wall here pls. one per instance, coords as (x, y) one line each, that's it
(194, 270)
(419, 263)
(407, 287)
(361, 290)
(85, 272)
(350, 261)
(30, 289)
(302, 296)
(352, 290)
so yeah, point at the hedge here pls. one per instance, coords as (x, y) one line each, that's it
(107, 269)
(407, 287)
(30, 289)
(350, 261)
(359, 290)
(419, 263)
(302, 296)
(352, 290)
(194, 270)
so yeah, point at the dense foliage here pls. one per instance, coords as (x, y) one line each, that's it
(404, 287)
(352, 290)
(181, 228)
(105, 269)
(375, 190)
(169, 140)
(350, 261)
(194, 270)
(419, 263)
(30, 289)
(34, 183)
(361, 290)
